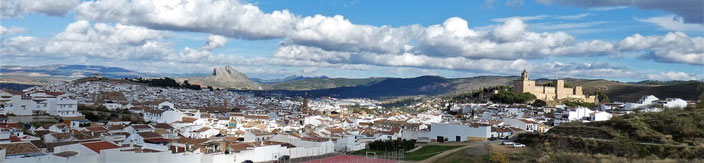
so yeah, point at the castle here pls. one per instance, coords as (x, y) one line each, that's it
(548, 93)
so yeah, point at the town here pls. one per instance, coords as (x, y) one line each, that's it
(109, 120)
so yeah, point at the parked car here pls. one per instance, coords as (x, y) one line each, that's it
(518, 145)
(493, 138)
(507, 143)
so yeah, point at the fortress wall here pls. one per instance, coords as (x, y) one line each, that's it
(578, 90)
(565, 91)
(549, 90)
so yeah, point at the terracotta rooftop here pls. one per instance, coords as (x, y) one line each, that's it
(11, 125)
(116, 127)
(148, 135)
(163, 126)
(39, 143)
(188, 119)
(260, 117)
(66, 154)
(140, 126)
(185, 140)
(202, 129)
(97, 129)
(99, 145)
(60, 136)
(19, 148)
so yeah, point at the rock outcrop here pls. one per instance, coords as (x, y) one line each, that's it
(228, 78)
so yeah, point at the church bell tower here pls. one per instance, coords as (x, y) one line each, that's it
(524, 75)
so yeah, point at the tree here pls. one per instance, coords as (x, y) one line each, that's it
(577, 103)
(508, 97)
(539, 103)
(602, 97)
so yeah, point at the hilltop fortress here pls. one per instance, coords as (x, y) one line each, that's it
(548, 93)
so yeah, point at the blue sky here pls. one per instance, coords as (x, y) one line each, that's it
(617, 40)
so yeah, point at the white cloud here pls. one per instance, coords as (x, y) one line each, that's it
(226, 17)
(312, 54)
(673, 23)
(572, 17)
(81, 39)
(673, 75)
(310, 70)
(583, 70)
(324, 41)
(11, 30)
(690, 10)
(522, 18)
(562, 26)
(675, 47)
(17, 8)
(337, 33)
(214, 41)
(607, 8)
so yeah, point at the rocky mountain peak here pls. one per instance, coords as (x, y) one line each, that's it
(227, 77)
(228, 72)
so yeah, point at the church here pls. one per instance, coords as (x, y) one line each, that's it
(556, 92)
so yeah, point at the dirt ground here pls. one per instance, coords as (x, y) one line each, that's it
(508, 149)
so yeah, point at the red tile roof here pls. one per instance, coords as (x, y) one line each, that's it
(148, 135)
(99, 145)
(19, 148)
(15, 139)
(97, 129)
(188, 119)
(157, 140)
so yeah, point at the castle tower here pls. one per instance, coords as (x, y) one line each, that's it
(524, 84)
(560, 88)
(524, 75)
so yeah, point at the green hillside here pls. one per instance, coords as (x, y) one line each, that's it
(617, 91)
(321, 83)
(672, 133)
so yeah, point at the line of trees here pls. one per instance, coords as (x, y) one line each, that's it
(392, 145)
(166, 82)
(508, 97)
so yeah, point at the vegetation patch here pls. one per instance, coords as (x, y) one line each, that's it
(672, 134)
(427, 152)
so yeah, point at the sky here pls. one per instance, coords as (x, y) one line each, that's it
(620, 40)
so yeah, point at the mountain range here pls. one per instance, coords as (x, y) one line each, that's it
(286, 79)
(374, 87)
(38, 75)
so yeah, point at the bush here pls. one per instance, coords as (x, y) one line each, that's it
(392, 145)
(507, 97)
(497, 158)
(539, 103)
(602, 97)
(577, 103)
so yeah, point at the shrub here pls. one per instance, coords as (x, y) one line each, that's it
(508, 97)
(539, 103)
(498, 158)
(392, 145)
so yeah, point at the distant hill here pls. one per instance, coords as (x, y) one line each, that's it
(321, 83)
(389, 87)
(433, 85)
(286, 79)
(376, 87)
(226, 77)
(15, 87)
(43, 74)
